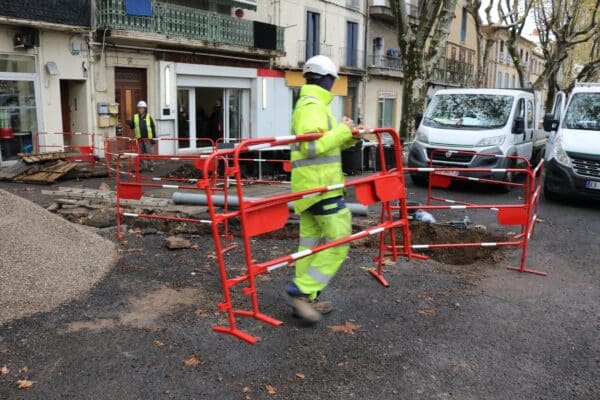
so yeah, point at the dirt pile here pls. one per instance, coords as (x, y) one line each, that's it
(44, 259)
(424, 233)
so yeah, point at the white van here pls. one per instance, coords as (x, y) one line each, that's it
(490, 121)
(573, 148)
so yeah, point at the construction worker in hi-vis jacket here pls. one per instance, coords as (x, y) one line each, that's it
(323, 217)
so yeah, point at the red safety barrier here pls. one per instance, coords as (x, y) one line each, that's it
(523, 213)
(268, 214)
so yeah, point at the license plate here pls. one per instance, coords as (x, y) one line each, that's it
(450, 173)
(592, 185)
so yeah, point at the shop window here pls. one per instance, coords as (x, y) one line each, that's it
(386, 113)
(17, 63)
(18, 117)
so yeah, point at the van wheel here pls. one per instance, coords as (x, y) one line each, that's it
(550, 195)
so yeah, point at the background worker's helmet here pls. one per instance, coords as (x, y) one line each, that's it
(142, 104)
(320, 65)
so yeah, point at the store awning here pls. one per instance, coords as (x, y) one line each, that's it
(295, 79)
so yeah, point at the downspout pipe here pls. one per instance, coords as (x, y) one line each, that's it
(233, 201)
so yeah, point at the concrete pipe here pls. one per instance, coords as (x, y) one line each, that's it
(233, 201)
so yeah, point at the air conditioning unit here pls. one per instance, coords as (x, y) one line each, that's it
(26, 40)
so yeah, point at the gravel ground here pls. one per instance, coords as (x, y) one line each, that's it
(44, 259)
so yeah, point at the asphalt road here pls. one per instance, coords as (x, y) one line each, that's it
(438, 332)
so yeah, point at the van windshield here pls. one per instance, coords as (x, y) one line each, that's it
(584, 112)
(481, 111)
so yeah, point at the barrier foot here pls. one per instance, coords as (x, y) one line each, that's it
(418, 256)
(258, 316)
(379, 278)
(529, 271)
(246, 337)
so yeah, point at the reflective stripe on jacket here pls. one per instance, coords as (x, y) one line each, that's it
(136, 126)
(317, 163)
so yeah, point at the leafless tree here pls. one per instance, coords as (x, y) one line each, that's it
(513, 14)
(484, 45)
(422, 45)
(562, 25)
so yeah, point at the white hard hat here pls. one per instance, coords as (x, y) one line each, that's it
(320, 65)
(141, 104)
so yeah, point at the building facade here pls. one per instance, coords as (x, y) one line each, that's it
(45, 83)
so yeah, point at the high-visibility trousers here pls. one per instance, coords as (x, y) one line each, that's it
(314, 272)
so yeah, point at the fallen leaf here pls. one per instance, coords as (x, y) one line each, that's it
(246, 389)
(4, 349)
(348, 327)
(388, 261)
(24, 384)
(4, 370)
(23, 370)
(192, 361)
(199, 312)
(425, 297)
(427, 312)
(271, 389)
(299, 377)
(158, 343)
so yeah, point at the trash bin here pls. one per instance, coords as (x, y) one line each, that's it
(352, 159)
(390, 160)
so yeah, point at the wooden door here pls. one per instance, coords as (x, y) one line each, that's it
(65, 106)
(130, 87)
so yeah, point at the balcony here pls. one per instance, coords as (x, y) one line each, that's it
(455, 73)
(351, 58)
(380, 9)
(385, 64)
(172, 22)
(303, 54)
(64, 12)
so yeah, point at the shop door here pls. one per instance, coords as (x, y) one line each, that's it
(237, 106)
(130, 87)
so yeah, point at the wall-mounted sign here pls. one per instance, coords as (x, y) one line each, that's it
(386, 94)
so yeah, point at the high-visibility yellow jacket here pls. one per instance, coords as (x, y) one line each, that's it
(317, 163)
(137, 127)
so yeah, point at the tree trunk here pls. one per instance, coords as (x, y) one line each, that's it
(413, 96)
(551, 92)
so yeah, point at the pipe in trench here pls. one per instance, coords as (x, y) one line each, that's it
(233, 201)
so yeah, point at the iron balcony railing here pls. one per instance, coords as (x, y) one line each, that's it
(454, 72)
(322, 49)
(385, 62)
(181, 21)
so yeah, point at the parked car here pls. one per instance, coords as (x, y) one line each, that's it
(573, 148)
(485, 121)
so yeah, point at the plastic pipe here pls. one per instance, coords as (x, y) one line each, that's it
(233, 201)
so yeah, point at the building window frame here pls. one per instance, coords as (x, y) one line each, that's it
(313, 34)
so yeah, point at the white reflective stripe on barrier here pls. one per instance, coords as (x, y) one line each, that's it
(130, 154)
(301, 254)
(375, 231)
(420, 246)
(284, 138)
(276, 266)
(170, 186)
(473, 179)
(334, 187)
(425, 169)
(175, 158)
(126, 214)
(459, 207)
(259, 146)
(488, 244)
(494, 209)
(498, 170)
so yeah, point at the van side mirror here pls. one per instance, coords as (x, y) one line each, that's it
(418, 119)
(550, 123)
(519, 126)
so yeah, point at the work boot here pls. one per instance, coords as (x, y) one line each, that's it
(324, 307)
(303, 307)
